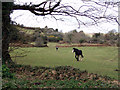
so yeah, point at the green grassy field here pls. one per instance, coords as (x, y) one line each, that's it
(99, 60)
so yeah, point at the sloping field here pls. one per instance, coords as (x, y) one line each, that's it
(100, 60)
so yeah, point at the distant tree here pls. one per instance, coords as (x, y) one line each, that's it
(39, 38)
(81, 40)
(112, 31)
(111, 37)
(39, 42)
(56, 30)
(46, 27)
(76, 37)
(70, 37)
(75, 31)
(96, 35)
(97, 38)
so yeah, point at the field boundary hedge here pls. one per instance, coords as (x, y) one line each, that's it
(83, 45)
(77, 45)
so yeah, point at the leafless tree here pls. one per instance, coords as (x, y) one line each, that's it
(76, 37)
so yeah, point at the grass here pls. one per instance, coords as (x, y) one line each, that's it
(99, 60)
(20, 83)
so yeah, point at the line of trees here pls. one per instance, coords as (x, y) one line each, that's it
(41, 36)
(110, 38)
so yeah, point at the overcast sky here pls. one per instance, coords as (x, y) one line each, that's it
(28, 19)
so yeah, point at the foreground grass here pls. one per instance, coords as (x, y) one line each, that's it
(100, 60)
(21, 83)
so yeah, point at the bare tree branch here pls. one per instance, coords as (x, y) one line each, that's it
(94, 12)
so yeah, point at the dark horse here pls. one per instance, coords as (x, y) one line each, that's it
(77, 53)
(56, 48)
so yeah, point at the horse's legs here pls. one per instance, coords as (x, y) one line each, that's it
(80, 58)
(77, 58)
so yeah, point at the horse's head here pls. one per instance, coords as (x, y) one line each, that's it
(73, 50)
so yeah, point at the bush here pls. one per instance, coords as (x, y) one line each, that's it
(6, 72)
(39, 42)
(81, 40)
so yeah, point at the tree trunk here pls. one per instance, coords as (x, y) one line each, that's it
(5, 46)
(6, 29)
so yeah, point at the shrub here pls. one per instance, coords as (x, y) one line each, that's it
(39, 42)
(6, 72)
(81, 40)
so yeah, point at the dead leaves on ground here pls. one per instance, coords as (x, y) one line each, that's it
(57, 73)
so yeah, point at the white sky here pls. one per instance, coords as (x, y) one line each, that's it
(28, 19)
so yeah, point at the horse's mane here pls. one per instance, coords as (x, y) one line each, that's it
(75, 48)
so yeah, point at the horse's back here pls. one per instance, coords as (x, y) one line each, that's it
(78, 52)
